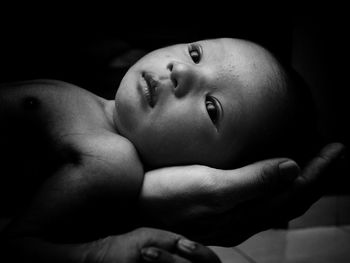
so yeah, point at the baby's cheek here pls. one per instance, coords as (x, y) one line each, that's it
(127, 114)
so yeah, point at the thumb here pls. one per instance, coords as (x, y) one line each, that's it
(260, 178)
(145, 237)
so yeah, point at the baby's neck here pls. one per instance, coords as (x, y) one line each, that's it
(111, 114)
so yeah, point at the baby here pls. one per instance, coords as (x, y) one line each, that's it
(72, 158)
(217, 103)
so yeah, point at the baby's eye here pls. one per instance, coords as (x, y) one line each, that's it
(195, 51)
(212, 109)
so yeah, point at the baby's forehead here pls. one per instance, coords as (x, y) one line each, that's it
(241, 58)
(235, 45)
(244, 51)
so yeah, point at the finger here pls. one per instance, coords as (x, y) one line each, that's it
(309, 185)
(145, 237)
(258, 178)
(280, 207)
(154, 254)
(317, 168)
(196, 252)
(306, 189)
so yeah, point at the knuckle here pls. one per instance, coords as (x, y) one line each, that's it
(266, 172)
(324, 158)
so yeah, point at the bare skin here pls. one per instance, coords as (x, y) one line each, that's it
(71, 178)
(75, 149)
(77, 190)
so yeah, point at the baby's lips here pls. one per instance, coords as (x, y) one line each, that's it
(152, 84)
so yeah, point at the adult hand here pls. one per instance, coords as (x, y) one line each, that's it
(219, 207)
(154, 245)
(140, 245)
(149, 245)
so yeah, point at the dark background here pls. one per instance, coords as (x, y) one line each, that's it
(94, 48)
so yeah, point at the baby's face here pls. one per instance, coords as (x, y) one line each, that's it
(197, 103)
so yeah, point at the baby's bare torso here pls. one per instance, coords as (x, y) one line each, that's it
(62, 161)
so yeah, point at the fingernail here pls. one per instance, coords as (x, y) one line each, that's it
(334, 150)
(150, 254)
(338, 147)
(187, 245)
(289, 169)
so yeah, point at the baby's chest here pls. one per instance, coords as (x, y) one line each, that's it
(39, 124)
(30, 144)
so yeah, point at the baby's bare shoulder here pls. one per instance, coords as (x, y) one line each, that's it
(61, 105)
(110, 162)
(111, 152)
(34, 92)
(55, 115)
(33, 85)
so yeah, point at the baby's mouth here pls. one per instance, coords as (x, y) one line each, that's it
(151, 88)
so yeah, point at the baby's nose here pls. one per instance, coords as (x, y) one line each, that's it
(184, 77)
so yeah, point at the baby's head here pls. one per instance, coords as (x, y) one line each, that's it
(216, 102)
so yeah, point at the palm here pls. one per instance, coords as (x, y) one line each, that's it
(231, 205)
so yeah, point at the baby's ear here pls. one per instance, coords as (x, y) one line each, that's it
(127, 58)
